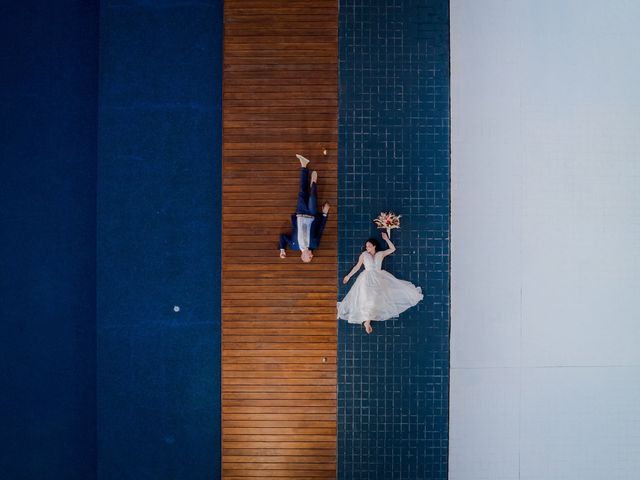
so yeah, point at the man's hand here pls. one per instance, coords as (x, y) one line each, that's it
(325, 208)
(283, 254)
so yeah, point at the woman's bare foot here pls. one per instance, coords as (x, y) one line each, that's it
(367, 326)
(303, 161)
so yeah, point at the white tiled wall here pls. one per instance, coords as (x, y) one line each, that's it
(545, 340)
(484, 424)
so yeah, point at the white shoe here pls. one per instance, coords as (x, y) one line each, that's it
(303, 161)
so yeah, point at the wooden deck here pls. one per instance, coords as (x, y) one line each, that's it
(278, 316)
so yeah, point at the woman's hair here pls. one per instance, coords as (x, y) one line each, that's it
(373, 242)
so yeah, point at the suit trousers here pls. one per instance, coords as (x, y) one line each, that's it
(307, 196)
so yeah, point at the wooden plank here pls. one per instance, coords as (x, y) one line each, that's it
(282, 398)
(280, 97)
(302, 445)
(276, 452)
(244, 329)
(243, 371)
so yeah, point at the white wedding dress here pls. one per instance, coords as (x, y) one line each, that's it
(377, 295)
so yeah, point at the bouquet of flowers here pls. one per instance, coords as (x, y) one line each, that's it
(387, 221)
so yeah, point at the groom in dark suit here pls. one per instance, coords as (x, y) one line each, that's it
(306, 225)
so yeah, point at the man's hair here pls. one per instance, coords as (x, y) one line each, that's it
(306, 254)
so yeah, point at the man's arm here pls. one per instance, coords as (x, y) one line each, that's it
(323, 220)
(284, 241)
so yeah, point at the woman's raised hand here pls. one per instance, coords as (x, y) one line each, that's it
(385, 237)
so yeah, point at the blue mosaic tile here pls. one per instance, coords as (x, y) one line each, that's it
(394, 155)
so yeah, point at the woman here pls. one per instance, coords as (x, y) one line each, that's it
(376, 295)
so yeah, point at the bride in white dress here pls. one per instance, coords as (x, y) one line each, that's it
(376, 295)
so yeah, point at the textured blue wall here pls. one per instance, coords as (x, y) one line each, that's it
(49, 88)
(394, 155)
(158, 240)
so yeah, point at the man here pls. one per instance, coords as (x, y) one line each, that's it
(306, 225)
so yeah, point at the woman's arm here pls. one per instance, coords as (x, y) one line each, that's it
(392, 247)
(354, 270)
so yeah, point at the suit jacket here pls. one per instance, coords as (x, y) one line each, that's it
(317, 227)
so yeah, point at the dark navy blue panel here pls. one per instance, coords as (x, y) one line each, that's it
(394, 155)
(48, 134)
(159, 240)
